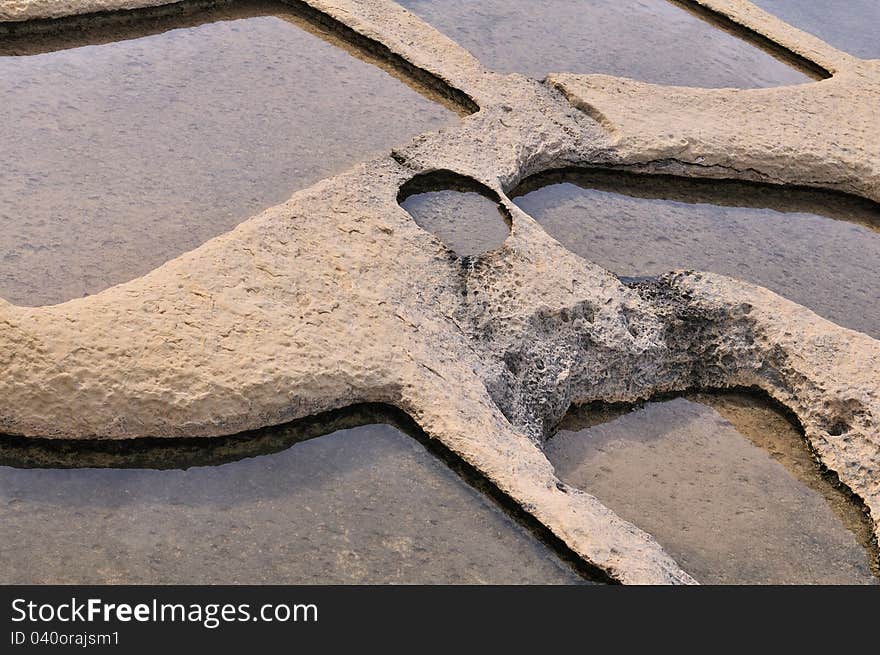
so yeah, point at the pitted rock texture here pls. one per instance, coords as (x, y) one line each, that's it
(21, 10)
(337, 297)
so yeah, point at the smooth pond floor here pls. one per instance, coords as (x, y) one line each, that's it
(849, 25)
(361, 505)
(724, 484)
(466, 221)
(819, 249)
(648, 40)
(120, 156)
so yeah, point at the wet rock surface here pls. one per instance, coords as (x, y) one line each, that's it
(338, 297)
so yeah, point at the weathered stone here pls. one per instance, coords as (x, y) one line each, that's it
(337, 297)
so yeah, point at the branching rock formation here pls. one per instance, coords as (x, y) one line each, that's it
(337, 297)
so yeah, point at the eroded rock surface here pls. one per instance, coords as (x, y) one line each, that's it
(337, 296)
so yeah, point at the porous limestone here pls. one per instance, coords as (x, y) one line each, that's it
(337, 297)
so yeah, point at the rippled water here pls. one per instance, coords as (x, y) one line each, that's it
(818, 249)
(364, 504)
(649, 40)
(850, 25)
(122, 155)
(726, 486)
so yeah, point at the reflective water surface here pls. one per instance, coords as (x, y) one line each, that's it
(726, 485)
(818, 249)
(649, 40)
(459, 211)
(119, 156)
(849, 25)
(365, 504)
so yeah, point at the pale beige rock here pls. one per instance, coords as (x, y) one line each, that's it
(21, 10)
(769, 135)
(338, 297)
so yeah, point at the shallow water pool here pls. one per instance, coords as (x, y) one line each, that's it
(648, 40)
(724, 483)
(363, 504)
(121, 155)
(816, 248)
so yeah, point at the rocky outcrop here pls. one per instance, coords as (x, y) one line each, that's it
(337, 297)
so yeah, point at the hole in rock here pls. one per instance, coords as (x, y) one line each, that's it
(466, 215)
(134, 143)
(816, 248)
(838, 428)
(649, 40)
(850, 26)
(366, 503)
(726, 484)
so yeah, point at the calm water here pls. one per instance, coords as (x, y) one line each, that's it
(466, 221)
(850, 25)
(724, 483)
(649, 40)
(362, 505)
(120, 156)
(818, 249)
